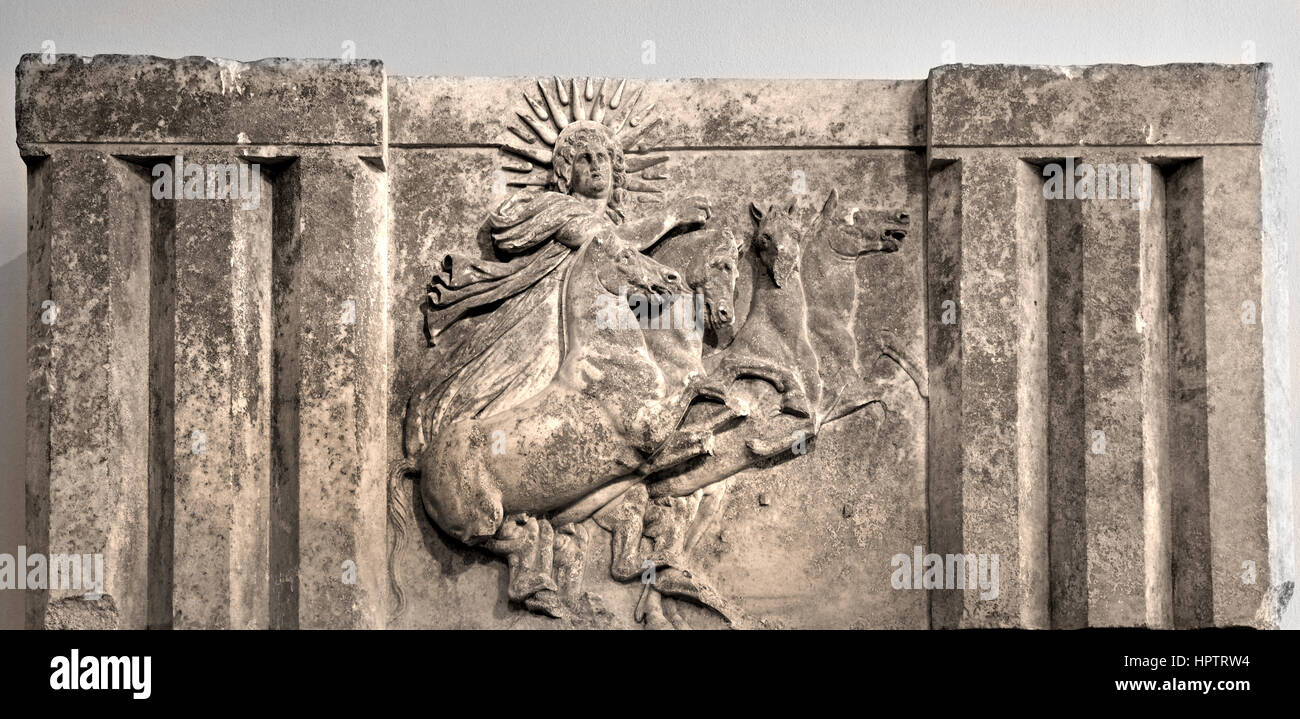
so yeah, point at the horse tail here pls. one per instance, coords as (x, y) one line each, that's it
(400, 515)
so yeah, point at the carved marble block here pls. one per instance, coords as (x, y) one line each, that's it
(332, 348)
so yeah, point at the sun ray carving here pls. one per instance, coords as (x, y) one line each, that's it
(556, 103)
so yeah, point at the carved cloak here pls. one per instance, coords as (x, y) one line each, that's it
(495, 325)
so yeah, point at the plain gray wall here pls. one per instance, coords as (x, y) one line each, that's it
(692, 38)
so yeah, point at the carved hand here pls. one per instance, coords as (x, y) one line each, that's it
(689, 211)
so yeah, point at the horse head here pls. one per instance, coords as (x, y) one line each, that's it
(777, 240)
(621, 269)
(717, 280)
(866, 231)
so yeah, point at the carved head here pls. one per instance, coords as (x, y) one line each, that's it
(777, 240)
(718, 276)
(588, 161)
(866, 231)
(622, 269)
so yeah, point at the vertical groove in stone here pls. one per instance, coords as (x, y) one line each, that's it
(162, 428)
(40, 377)
(130, 270)
(1193, 603)
(1157, 483)
(1113, 347)
(1031, 395)
(943, 456)
(283, 535)
(1067, 444)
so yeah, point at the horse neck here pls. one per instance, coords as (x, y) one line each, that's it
(581, 331)
(697, 268)
(819, 255)
(676, 349)
(782, 308)
(693, 269)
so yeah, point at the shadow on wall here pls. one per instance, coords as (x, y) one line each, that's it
(13, 428)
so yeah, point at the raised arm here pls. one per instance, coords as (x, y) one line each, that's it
(645, 232)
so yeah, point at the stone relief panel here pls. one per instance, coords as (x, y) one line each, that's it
(799, 273)
(603, 353)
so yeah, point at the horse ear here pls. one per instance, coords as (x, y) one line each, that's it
(790, 209)
(832, 200)
(756, 212)
(732, 242)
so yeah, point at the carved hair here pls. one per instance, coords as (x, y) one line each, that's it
(581, 136)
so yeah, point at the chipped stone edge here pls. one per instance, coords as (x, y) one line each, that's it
(1076, 72)
(228, 70)
(1280, 610)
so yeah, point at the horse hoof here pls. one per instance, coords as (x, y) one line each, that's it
(766, 449)
(525, 587)
(546, 602)
(796, 405)
(678, 621)
(738, 406)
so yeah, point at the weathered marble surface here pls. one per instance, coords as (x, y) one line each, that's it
(290, 335)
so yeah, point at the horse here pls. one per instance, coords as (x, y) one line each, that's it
(709, 265)
(709, 260)
(774, 343)
(803, 346)
(831, 255)
(789, 319)
(489, 480)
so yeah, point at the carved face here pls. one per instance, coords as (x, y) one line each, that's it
(777, 241)
(587, 161)
(593, 173)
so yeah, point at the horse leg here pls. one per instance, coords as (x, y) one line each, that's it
(674, 582)
(682, 445)
(622, 518)
(658, 419)
(570, 560)
(730, 456)
(520, 540)
(713, 499)
(545, 601)
(915, 370)
(650, 611)
(708, 387)
(783, 440)
(794, 399)
(666, 523)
